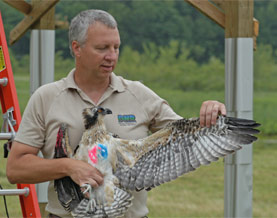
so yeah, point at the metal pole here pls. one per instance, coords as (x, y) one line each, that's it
(239, 102)
(24, 192)
(42, 59)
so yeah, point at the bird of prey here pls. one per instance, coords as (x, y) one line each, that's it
(128, 165)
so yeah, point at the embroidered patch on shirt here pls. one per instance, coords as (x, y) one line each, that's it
(126, 120)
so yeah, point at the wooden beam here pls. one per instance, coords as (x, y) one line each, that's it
(210, 10)
(20, 5)
(219, 3)
(37, 12)
(47, 21)
(239, 18)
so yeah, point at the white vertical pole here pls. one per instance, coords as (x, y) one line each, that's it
(42, 57)
(238, 180)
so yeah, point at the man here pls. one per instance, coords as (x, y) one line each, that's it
(94, 42)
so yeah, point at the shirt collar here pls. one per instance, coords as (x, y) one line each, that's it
(70, 82)
(116, 83)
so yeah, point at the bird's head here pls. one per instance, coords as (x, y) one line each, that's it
(93, 115)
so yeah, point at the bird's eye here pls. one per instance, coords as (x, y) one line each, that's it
(100, 110)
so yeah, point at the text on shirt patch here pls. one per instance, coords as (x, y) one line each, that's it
(126, 120)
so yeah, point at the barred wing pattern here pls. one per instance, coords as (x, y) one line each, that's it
(185, 148)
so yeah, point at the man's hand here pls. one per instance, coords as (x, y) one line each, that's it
(209, 111)
(83, 173)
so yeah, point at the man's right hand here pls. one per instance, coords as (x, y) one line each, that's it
(83, 173)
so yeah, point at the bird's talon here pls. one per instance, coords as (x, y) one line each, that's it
(87, 188)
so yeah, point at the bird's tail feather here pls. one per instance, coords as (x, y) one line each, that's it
(122, 201)
(69, 193)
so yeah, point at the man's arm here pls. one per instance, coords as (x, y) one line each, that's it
(209, 111)
(24, 166)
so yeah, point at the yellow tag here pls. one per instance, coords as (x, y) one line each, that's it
(2, 60)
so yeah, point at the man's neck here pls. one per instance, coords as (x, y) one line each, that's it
(93, 87)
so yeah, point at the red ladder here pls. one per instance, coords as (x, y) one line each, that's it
(10, 107)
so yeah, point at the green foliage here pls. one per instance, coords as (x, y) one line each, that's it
(176, 77)
(20, 64)
(62, 66)
(159, 22)
(164, 55)
(265, 68)
(264, 111)
(11, 17)
(265, 12)
(171, 67)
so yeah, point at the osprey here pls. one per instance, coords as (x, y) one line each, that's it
(128, 165)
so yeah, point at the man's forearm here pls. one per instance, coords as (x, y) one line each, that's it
(33, 169)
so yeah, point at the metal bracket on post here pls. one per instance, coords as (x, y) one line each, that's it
(7, 130)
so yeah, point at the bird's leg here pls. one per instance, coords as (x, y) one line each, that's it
(91, 207)
(86, 188)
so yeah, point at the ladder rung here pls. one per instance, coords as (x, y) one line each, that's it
(25, 191)
(4, 81)
(6, 136)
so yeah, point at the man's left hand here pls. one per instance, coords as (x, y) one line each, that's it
(209, 112)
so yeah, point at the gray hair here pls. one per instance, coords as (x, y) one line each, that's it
(80, 23)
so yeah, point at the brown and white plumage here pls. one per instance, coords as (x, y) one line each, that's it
(180, 147)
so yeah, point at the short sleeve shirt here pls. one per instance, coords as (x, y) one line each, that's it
(136, 111)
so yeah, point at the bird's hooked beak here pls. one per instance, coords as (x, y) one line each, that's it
(103, 111)
(107, 111)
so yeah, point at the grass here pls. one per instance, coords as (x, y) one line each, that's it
(200, 193)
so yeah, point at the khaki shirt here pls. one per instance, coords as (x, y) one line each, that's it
(136, 111)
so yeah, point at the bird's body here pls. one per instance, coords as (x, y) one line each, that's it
(128, 165)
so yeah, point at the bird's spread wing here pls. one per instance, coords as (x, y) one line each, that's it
(69, 193)
(179, 148)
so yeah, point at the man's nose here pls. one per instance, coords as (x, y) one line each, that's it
(112, 55)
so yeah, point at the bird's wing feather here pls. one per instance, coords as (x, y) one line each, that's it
(69, 193)
(179, 148)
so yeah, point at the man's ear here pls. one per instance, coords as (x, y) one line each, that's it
(76, 48)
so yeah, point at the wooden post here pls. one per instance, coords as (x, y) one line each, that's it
(47, 21)
(239, 103)
(238, 18)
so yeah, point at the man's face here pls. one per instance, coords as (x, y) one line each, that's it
(99, 54)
